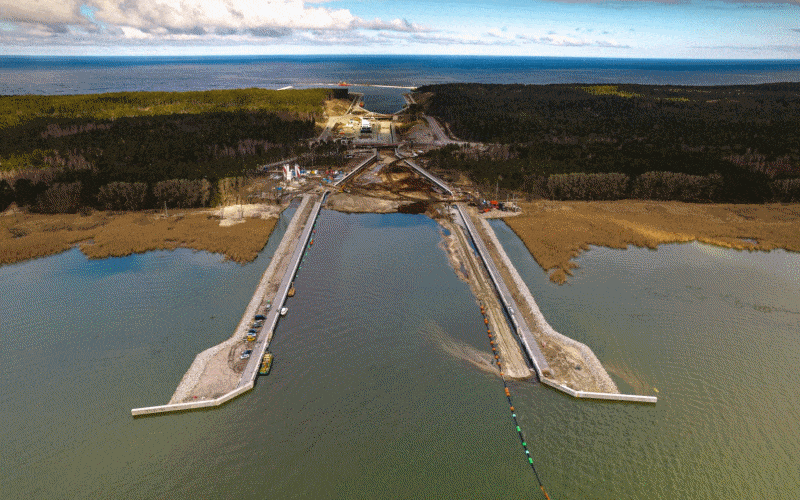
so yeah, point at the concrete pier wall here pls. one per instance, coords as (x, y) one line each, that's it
(526, 337)
(273, 315)
(289, 243)
(194, 405)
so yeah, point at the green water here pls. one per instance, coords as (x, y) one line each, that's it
(363, 401)
(360, 403)
(716, 332)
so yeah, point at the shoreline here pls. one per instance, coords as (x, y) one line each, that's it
(25, 236)
(556, 232)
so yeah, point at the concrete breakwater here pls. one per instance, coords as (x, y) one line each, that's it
(262, 344)
(567, 356)
(217, 375)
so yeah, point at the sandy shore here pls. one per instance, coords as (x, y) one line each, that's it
(556, 232)
(352, 203)
(26, 236)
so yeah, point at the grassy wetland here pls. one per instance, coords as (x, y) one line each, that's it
(26, 236)
(71, 164)
(557, 231)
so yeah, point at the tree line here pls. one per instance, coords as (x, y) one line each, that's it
(133, 150)
(68, 197)
(744, 141)
(735, 184)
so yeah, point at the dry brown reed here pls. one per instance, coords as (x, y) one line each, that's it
(556, 232)
(103, 234)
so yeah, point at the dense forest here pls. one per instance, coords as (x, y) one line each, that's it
(731, 143)
(60, 153)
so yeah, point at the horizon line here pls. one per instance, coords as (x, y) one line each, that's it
(484, 56)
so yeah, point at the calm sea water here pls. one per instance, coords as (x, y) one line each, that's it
(75, 75)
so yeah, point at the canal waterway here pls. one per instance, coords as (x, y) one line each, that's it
(365, 399)
(376, 389)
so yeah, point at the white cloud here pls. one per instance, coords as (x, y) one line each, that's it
(570, 41)
(167, 19)
(498, 33)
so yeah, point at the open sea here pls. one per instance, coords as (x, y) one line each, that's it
(88, 75)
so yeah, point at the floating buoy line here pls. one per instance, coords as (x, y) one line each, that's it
(499, 367)
(511, 403)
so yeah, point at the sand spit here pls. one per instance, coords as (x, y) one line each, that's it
(352, 203)
(218, 369)
(556, 232)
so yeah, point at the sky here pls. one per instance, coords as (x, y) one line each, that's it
(685, 29)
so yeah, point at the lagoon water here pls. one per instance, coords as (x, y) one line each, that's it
(364, 401)
(716, 332)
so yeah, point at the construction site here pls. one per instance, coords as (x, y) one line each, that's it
(382, 176)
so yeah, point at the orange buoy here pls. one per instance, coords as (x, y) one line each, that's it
(512, 408)
(486, 320)
(494, 349)
(489, 331)
(507, 393)
(496, 356)
(491, 342)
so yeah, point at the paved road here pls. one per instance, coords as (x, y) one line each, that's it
(373, 157)
(441, 137)
(262, 344)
